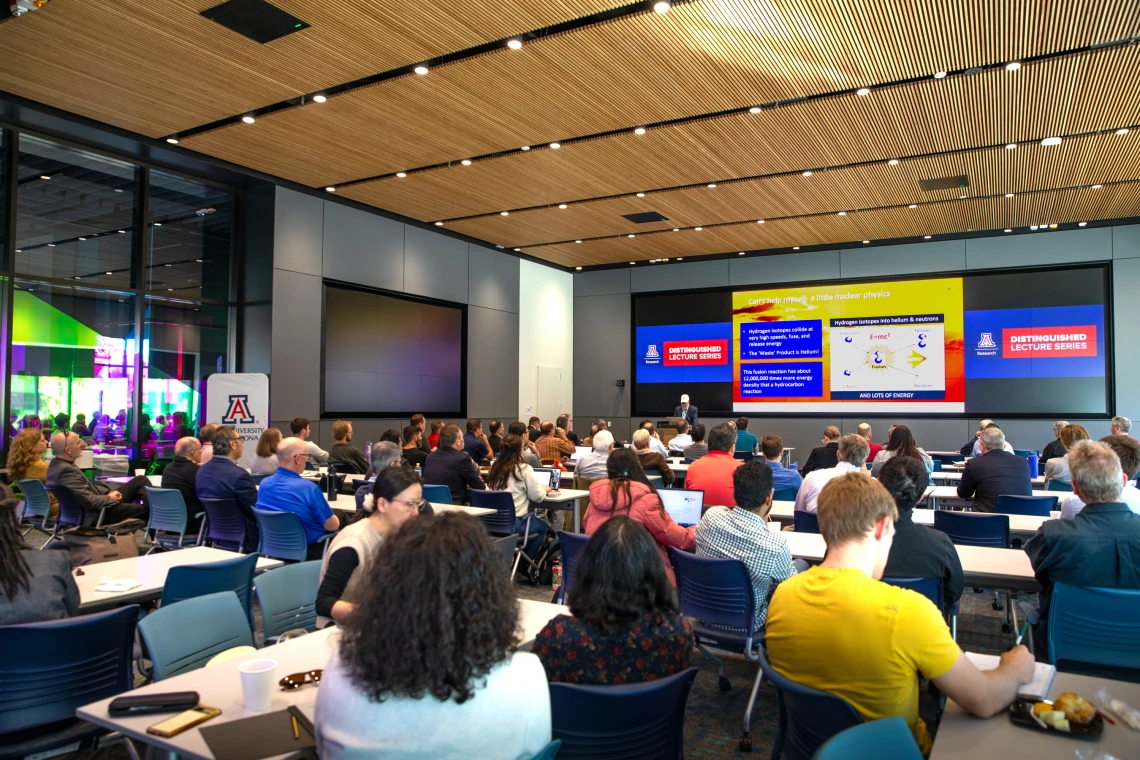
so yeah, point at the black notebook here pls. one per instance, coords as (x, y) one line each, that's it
(254, 738)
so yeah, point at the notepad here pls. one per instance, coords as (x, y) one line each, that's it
(1038, 688)
(117, 585)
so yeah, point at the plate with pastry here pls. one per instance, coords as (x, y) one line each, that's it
(1067, 714)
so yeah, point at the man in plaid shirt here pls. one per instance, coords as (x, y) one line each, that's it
(741, 532)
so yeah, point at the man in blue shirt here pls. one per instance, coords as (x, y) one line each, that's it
(745, 441)
(772, 447)
(287, 491)
(475, 442)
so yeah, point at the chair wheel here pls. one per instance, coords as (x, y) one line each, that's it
(1006, 628)
(746, 743)
(725, 684)
(998, 606)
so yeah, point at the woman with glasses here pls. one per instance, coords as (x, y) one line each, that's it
(426, 666)
(346, 567)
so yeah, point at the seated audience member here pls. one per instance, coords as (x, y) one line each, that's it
(589, 440)
(265, 457)
(918, 551)
(419, 421)
(385, 454)
(624, 625)
(839, 629)
(901, 443)
(495, 439)
(343, 452)
(627, 492)
(223, 478)
(712, 473)
(510, 473)
(475, 443)
(1057, 468)
(681, 440)
(415, 678)
(651, 460)
(433, 437)
(63, 423)
(1055, 448)
(698, 448)
(1121, 426)
(34, 586)
(206, 437)
(865, 430)
(772, 447)
(392, 436)
(741, 532)
(1099, 547)
(745, 441)
(287, 491)
(80, 427)
(593, 464)
(62, 474)
(826, 456)
(566, 423)
(993, 473)
(976, 451)
(530, 451)
(26, 462)
(852, 457)
(412, 452)
(181, 475)
(534, 429)
(1127, 450)
(553, 443)
(654, 438)
(449, 465)
(346, 569)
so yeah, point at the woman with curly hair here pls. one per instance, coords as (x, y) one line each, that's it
(624, 625)
(34, 585)
(425, 667)
(26, 461)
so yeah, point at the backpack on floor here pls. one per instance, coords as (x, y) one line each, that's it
(89, 545)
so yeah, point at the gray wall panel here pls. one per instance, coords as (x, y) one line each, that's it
(492, 363)
(435, 265)
(493, 280)
(602, 282)
(1126, 242)
(1039, 249)
(790, 267)
(295, 383)
(668, 277)
(1125, 285)
(911, 258)
(257, 353)
(602, 352)
(297, 230)
(363, 248)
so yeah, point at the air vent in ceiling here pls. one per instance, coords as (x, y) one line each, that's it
(944, 183)
(256, 19)
(645, 217)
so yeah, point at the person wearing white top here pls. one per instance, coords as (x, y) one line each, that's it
(853, 451)
(681, 440)
(510, 473)
(900, 440)
(1057, 468)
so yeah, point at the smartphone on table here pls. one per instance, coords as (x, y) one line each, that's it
(182, 721)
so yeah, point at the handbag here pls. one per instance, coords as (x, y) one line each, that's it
(89, 545)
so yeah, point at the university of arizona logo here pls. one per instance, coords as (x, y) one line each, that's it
(987, 341)
(652, 352)
(237, 412)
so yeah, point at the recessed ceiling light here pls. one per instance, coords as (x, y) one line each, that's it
(1122, 131)
(577, 241)
(555, 146)
(45, 176)
(741, 253)
(1097, 187)
(330, 189)
(514, 44)
(641, 195)
(712, 184)
(82, 238)
(1051, 141)
(171, 290)
(1009, 195)
(51, 245)
(122, 232)
(110, 272)
(77, 277)
(156, 224)
(639, 131)
(631, 263)
(525, 147)
(893, 162)
(940, 75)
(754, 109)
(795, 247)
(698, 229)
(676, 229)
(504, 213)
(865, 242)
(466, 162)
(680, 259)
(439, 224)
(1011, 146)
(1008, 230)
(168, 265)
(842, 213)
(421, 70)
(248, 119)
(961, 197)
(1033, 227)
(661, 7)
(172, 140)
(863, 91)
(578, 268)
(1013, 66)
(913, 205)
(759, 221)
(1052, 226)
(198, 260)
(926, 237)
(631, 235)
(18, 251)
(401, 175)
(1081, 224)
(561, 205)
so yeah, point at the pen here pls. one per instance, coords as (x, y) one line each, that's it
(1021, 634)
(296, 731)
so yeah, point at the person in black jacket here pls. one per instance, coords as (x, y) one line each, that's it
(1055, 448)
(826, 456)
(918, 551)
(181, 474)
(996, 473)
(449, 465)
(412, 453)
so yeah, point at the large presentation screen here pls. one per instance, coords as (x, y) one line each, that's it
(1012, 343)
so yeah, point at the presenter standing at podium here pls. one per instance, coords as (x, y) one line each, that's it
(686, 411)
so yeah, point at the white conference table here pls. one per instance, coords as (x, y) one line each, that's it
(473, 511)
(964, 737)
(953, 477)
(220, 686)
(567, 500)
(940, 496)
(150, 571)
(1020, 526)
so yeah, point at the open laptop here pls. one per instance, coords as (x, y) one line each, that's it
(683, 505)
(548, 476)
(580, 450)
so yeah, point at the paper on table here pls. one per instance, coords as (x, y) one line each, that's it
(117, 585)
(1038, 688)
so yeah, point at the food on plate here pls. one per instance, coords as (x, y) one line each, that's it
(1042, 707)
(1076, 709)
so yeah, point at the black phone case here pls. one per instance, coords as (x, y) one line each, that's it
(149, 704)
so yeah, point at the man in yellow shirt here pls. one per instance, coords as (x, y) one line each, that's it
(838, 629)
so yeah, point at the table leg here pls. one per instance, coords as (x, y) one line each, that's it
(787, 458)
(577, 516)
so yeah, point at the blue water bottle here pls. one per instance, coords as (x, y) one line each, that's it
(1033, 465)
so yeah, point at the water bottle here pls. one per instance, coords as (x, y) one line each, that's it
(1032, 465)
(331, 485)
(419, 471)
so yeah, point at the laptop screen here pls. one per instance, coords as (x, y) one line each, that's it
(580, 450)
(682, 504)
(548, 476)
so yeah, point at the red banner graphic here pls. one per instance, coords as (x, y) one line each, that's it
(694, 353)
(1048, 342)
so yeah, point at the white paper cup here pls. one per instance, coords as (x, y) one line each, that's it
(257, 680)
(775, 527)
(1055, 515)
(140, 472)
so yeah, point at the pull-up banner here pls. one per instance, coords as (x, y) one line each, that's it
(240, 399)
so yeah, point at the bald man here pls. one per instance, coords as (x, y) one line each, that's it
(287, 491)
(180, 474)
(865, 430)
(63, 475)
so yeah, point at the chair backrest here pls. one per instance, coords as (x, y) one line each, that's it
(744, 456)
(641, 721)
(973, 528)
(805, 522)
(784, 494)
(167, 510)
(1100, 626)
(49, 669)
(714, 590)
(282, 535)
(185, 636)
(258, 477)
(1041, 506)
(808, 717)
(889, 737)
(437, 494)
(191, 581)
(937, 465)
(549, 752)
(224, 521)
(506, 546)
(931, 588)
(571, 545)
(288, 598)
(1026, 452)
(502, 522)
(36, 501)
(1058, 485)
(70, 510)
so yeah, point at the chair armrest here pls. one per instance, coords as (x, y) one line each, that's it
(326, 537)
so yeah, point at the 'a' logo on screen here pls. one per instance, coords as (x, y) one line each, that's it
(238, 412)
(987, 341)
(652, 352)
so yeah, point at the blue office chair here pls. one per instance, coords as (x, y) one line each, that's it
(506, 547)
(288, 599)
(1098, 626)
(37, 506)
(258, 477)
(502, 521)
(932, 589)
(549, 752)
(190, 581)
(185, 636)
(889, 737)
(805, 522)
(977, 529)
(718, 592)
(784, 494)
(937, 465)
(71, 511)
(1039, 506)
(572, 545)
(50, 669)
(225, 524)
(1059, 485)
(283, 536)
(807, 718)
(639, 721)
(437, 494)
(167, 515)
(1026, 453)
